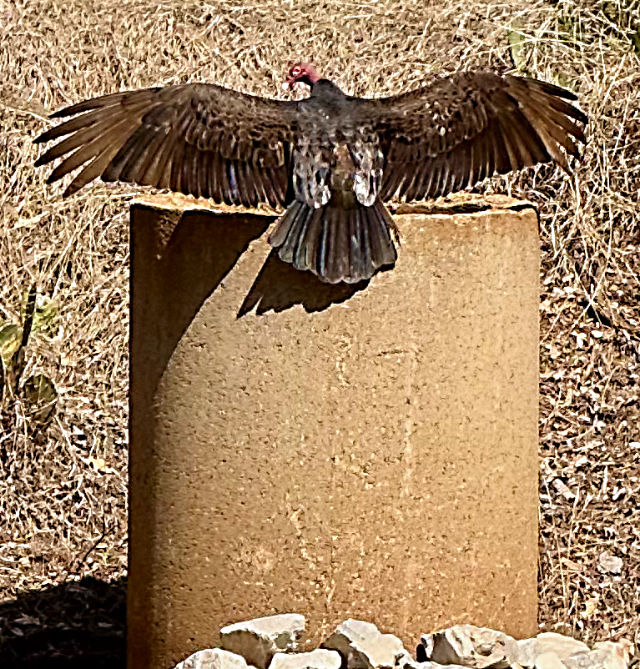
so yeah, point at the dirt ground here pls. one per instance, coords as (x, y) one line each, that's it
(63, 540)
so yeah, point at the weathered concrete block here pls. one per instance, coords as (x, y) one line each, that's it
(315, 659)
(548, 642)
(549, 661)
(258, 640)
(432, 665)
(350, 451)
(213, 658)
(470, 646)
(363, 646)
(604, 655)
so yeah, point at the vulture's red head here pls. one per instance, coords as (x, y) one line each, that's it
(305, 73)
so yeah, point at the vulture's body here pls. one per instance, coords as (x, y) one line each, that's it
(330, 161)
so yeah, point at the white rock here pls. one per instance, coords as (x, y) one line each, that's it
(213, 658)
(352, 630)
(547, 642)
(363, 646)
(605, 655)
(610, 563)
(549, 661)
(384, 652)
(431, 665)
(258, 640)
(316, 659)
(470, 646)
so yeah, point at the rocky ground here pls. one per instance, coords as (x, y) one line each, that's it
(271, 643)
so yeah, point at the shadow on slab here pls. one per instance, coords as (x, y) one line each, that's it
(280, 286)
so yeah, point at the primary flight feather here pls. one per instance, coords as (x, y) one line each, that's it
(330, 160)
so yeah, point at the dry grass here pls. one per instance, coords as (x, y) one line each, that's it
(63, 488)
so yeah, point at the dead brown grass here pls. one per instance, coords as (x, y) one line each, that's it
(63, 489)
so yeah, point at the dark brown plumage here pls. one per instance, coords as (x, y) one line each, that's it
(331, 160)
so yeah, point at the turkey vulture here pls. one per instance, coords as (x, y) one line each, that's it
(330, 160)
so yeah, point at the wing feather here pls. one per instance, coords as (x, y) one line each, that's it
(148, 169)
(457, 130)
(200, 139)
(87, 151)
(124, 164)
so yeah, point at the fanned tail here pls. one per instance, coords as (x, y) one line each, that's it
(336, 244)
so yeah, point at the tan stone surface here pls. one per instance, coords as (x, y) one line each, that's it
(327, 450)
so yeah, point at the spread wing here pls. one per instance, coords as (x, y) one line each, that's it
(200, 139)
(460, 129)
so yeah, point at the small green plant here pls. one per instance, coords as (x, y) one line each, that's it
(37, 392)
(518, 49)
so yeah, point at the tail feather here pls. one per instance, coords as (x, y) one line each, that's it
(359, 250)
(287, 234)
(309, 240)
(334, 243)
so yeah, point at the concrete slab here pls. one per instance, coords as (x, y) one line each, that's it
(342, 452)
